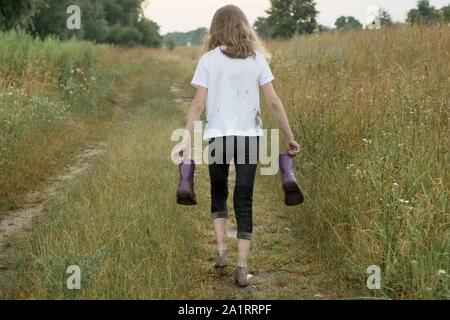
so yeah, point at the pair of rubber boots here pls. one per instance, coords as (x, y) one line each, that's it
(293, 195)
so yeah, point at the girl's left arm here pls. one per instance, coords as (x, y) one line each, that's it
(277, 109)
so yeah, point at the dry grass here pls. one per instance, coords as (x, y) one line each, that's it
(371, 110)
(121, 225)
(118, 222)
(56, 97)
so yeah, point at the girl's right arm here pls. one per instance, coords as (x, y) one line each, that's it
(277, 109)
(197, 106)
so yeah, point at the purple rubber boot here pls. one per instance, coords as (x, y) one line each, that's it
(185, 190)
(293, 195)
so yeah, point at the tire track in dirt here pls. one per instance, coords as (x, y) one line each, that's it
(16, 220)
(34, 205)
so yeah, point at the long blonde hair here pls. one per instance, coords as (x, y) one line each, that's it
(230, 28)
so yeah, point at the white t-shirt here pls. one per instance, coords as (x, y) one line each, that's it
(233, 106)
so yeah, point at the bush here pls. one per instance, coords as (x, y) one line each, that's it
(23, 57)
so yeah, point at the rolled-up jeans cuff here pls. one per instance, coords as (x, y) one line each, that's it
(219, 215)
(244, 235)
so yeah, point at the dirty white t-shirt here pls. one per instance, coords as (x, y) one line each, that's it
(233, 106)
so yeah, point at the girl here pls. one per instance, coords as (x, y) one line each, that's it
(228, 77)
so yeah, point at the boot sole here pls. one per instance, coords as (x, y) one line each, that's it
(293, 195)
(186, 199)
(242, 284)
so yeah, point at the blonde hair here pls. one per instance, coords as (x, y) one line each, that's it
(230, 28)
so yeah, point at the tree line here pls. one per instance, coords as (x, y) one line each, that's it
(287, 18)
(103, 21)
(123, 21)
(194, 37)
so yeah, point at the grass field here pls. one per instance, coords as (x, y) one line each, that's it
(54, 97)
(372, 112)
(370, 109)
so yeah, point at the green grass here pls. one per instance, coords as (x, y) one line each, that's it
(56, 97)
(120, 223)
(22, 56)
(117, 223)
(371, 112)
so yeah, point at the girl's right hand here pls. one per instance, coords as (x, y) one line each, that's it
(293, 147)
(180, 153)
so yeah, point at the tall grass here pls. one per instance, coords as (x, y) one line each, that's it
(118, 223)
(55, 96)
(371, 110)
(25, 60)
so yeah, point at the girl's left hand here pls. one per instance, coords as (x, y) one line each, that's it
(293, 148)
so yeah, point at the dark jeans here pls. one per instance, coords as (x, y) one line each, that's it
(245, 152)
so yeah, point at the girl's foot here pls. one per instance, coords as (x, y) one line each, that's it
(242, 276)
(222, 259)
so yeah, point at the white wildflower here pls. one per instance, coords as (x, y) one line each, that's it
(394, 186)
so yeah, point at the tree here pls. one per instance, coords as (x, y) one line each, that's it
(444, 14)
(51, 20)
(423, 14)
(125, 35)
(111, 21)
(94, 25)
(194, 37)
(150, 33)
(385, 18)
(261, 26)
(18, 13)
(347, 23)
(290, 17)
(170, 44)
(323, 28)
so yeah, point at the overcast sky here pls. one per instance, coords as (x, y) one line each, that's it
(186, 15)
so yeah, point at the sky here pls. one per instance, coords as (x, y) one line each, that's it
(187, 15)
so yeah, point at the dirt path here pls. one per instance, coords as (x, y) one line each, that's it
(282, 266)
(35, 201)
